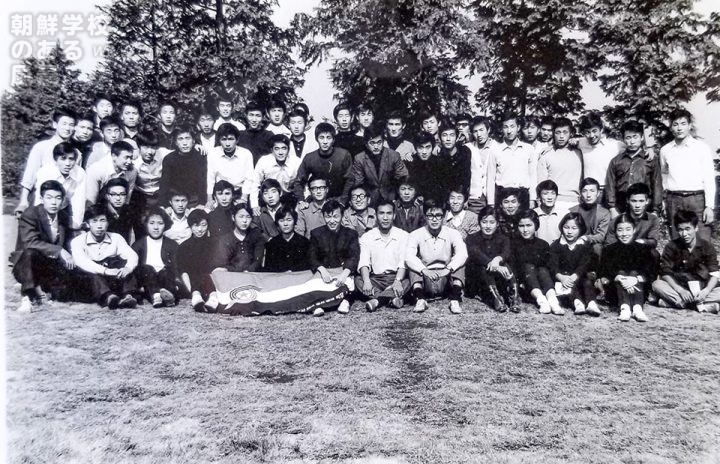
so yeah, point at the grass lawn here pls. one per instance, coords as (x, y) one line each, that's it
(173, 386)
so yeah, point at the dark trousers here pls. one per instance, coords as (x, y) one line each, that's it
(152, 281)
(692, 201)
(480, 279)
(33, 268)
(524, 197)
(382, 283)
(99, 286)
(535, 277)
(630, 299)
(202, 283)
(583, 290)
(140, 203)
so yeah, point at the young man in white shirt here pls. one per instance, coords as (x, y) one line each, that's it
(206, 125)
(225, 112)
(278, 165)
(71, 176)
(301, 144)
(481, 149)
(229, 162)
(597, 150)
(119, 164)
(111, 129)
(563, 165)
(276, 115)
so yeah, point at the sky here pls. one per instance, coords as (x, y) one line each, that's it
(317, 91)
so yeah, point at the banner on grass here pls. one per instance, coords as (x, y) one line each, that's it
(255, 293)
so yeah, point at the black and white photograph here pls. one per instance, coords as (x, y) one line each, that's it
(360, 231)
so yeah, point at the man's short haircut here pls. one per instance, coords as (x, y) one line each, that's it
(177, 193)
(531, 119)
(638, 188)
(158, 211)
(424, 137)
(64, 149)
(396, 114)
(384, 202)
(427, 114)
(276, 103)
(480, 121)
(456, 189)
(679, 113)
(196, 216)
(546, 185)
(284, 210)
(101, 96)
(317, 177)
(268, 184)
(445, 125)
(117, 182)
(463, 117)
(573, 217)
(375, 130)
(86, 116)
(52, 185)
(134, 103)
(324, 128)
(546, 121)
(184, 129)
(223, 96)
(147, 138)
(298, 113)
(486, 211)
(364, 107)
(529, 214)
(332, 205)
(302, 107)
(108, 121)
(237, 207)
(431, 203)
(279, 138)
(221, 186)
(119, 147)
(227, 129)
(169, 103)
(684, 216)
(254, 106)
(339, 107)
(589, 181)
(94, 211)
(632, 126)
(590, 120)
(408, 181)
(362, 187)
(509, 192)
(205, 110)
(562, 122)
(508, 115)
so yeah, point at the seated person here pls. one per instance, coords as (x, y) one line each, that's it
(489, 262)
(241, 250)
(548, 214)
(359, 217)
(120, 217)
(41, 260)
(220, 220)
(459, 218)
(509, 201)
(105, 261)
(156, 270)
(436, 257)
(310, 215)
(688, 269)
(71, 176)
(334, 251)
(597, 219)
(178, 211)
(625, 268)
(287, 251)
(382, 261)
(531, 256)
(409, 214)
(570, 264)
(193, 264)
(270, 192)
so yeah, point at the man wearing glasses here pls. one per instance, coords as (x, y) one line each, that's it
(310, 215)
(378, 168)
(118, 164)
(359, 216)
(436, 257)
(119, 219)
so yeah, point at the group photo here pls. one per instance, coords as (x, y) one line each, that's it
(284, 232)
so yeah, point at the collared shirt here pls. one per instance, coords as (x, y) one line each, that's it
(688, 166)
(480, 158)
(100, 151)
(360, 222)
(309, 219)
(236, 168)
(267, 167)
(220, 121)
(54, 227)
(465, 222)
(74, 185)
(88, 253)
(596, 158)
(302, 147)
(512, 165)
(423, 249)
(41, 154)
(597, 220)
(549, 225)
(180, 229)
(149, 174)
(625, 170)
(405, 148)
(678, 261)
(279, 130)
(208, 143)
(383, 254)
(540, 147)
(101, 172)
(564, 167)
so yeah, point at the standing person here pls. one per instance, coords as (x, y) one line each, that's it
(395, 140)
(83, 137)
(481, 149)
(364, 115)
(301, 143)
(41, 154)
(687, 164)
(184, 169)
(345, 138)
(453, 161)
(436, 257)
(597, 150)
(255, 138)
(147, 184)
(229, 162)
(377, 168)
(459, 218)
(276, 117)
(334, 251)
(71, 176)
(118, 165)
(225, 107)
(548, 216)
(409, 215)
(111, 129)
(206, 129)
(41, 260)
(627, 267)
(531, 134)
(546, 131)
(287, 251)
(382, 278)
(333, 163)
(688, 268)
(167, 116)
(193, 265)
(430, 123)
(279, 165)
(631, 166)
(512, 165)
(597, 219)
(563, 165)
(130, 117)
(462, 123)
(360, 216)
(424, 168)
(102, 107)
(310, 215)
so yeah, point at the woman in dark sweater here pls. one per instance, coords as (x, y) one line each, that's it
(287, 251)
(625, 268)
(488, 265)
(531, 256)
(570, 263)
(193, 264)
(241, 250)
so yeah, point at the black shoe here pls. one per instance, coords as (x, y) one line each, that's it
(112, 301)
(514, 297)
(497, 300)
(128, 301)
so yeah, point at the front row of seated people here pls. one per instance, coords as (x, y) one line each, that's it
(409, 252)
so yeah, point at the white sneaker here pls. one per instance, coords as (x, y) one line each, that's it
(625, 313)
(212, 303)
(557, 310)
(344, 307)
(197, 302)
(638, 314)
(26, 305)
(455, 307)
(592, 309)
(420, 306)
(544, 308)
(319, 312)
(579, 307)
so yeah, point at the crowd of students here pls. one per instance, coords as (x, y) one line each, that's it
(116, 211)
